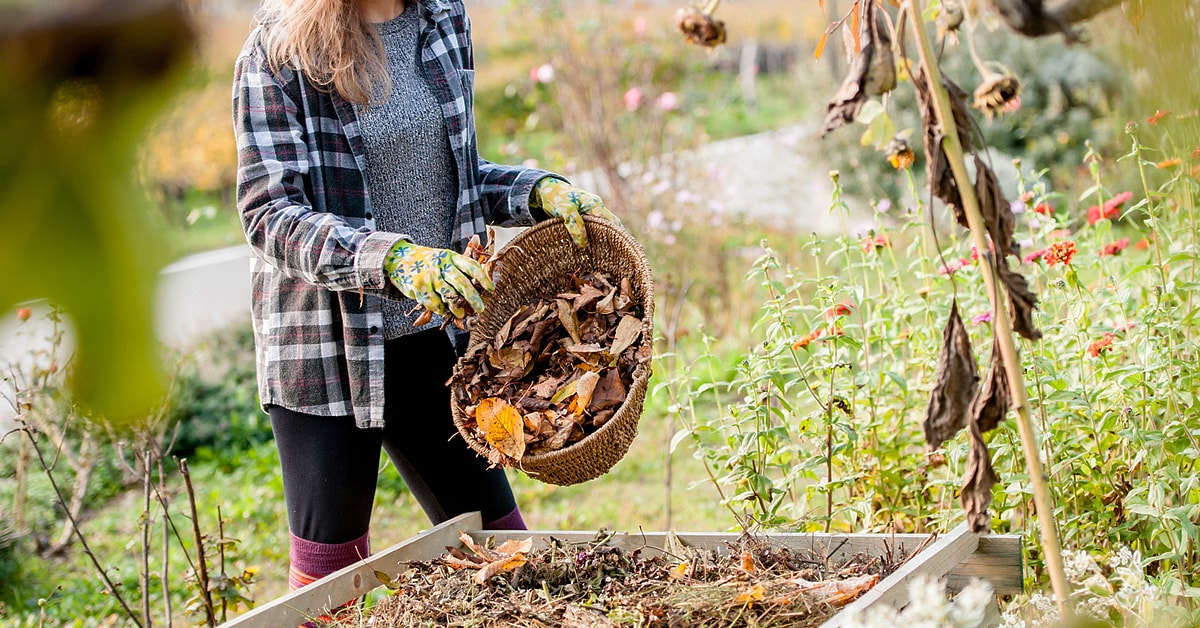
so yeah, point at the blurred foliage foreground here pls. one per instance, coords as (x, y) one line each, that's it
(77, 86)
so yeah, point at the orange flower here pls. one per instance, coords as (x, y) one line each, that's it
(1060, 253)
(806, 340)
(841, 309)
(1102, 345)
(1142, 244)
(1158, 116)
(1168, 163)
(24, 313)
(1115, 248)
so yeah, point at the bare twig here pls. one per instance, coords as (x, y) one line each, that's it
(201, 565)
(146, 491)
(87, 550)
(1043, 501)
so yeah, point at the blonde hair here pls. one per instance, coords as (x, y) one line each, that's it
(330, 42)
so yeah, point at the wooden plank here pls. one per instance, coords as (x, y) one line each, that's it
(934, 561)
(357, 579)
(997, 558)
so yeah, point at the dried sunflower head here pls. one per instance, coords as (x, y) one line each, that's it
(998, 93)
(899, 153)
(699, 27)
(949, 18)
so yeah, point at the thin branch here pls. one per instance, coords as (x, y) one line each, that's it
(201, 562)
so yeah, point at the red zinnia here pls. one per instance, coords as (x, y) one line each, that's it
(881, 241)
(1060, 253)
(1115, 248)
(841, 309)
(1034, 256)
(1158, 115)
(1043, 208)
(1102, 345)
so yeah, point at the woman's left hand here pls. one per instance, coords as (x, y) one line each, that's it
(560, 199)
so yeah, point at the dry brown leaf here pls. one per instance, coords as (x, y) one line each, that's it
(748, 562)
(980, 478)
(957, 377)
(610, 392)
(533, 423)
(584, 388)
(628, 331)
(588, 294)
(751, 595)
(514, 546)
(1021, 300)
(508, 563)
(997, 212)
(941, 178)
(605, 305)
(872, 72)
(994, 398)
(502, 426)
(546, 387)
(566, 316)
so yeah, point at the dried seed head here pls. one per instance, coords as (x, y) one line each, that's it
(900, 154)
(949, 18)
(700, 28)
(998, 93)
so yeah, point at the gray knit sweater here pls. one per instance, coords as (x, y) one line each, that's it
(411, 176)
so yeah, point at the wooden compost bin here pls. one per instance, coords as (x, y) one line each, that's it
(957, 556)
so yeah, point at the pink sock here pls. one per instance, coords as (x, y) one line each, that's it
(311, 561)
(511, 521)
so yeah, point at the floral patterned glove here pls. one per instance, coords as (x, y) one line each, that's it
(439, 279)
(560, 199)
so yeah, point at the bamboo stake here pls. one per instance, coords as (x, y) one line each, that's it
(1042, 500)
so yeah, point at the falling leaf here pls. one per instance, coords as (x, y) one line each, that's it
(956, 379)
(628, 331)
(751, 595)
(502, 427)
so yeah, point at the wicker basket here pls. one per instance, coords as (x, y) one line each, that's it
(538, 262)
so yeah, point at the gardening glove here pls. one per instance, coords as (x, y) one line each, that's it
(438, 279)
(559, 199)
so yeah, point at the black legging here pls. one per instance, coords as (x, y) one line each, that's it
(330, 466)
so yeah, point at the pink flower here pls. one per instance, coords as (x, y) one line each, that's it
(1115, 248)
(639, 26)
(986, 317)
(544, 73)
(633, 99)
(952, 267)
(668, 101)
(1034, 256)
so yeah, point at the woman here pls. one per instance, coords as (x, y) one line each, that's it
(358, 180)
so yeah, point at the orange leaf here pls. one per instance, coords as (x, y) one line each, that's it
(507, 563)
(854, 27)
(679, 571)
(821, 45)
(754, 594)
(585, 387)
(502, 426)
(748, 562)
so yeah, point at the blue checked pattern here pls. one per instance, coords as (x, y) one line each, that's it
(318, 279)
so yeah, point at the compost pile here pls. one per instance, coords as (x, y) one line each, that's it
(557, 370)
(597, 584)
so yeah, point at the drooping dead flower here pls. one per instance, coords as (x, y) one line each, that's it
(949, 19)
(998, 93)
(700, 27)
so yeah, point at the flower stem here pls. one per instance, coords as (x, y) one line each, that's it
(1043, 501)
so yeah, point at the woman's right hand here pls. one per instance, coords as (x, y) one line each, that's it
(438, 279)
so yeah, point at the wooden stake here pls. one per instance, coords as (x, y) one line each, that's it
(1043, 502)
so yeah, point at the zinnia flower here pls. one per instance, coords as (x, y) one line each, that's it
(841, 309)
(1168, 163)
(1101, 345)
(1044, 209)
(986, 317)
(1111, 208)
(880, 241)
(24, 313)
(1058, 234)
(1034, 256)
(1115, 248)
(1142, 244)
(953, 266)
(633, 99)
(1158, 115)
(1060, 253)
(806, 340)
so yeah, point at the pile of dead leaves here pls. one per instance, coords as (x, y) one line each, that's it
(557, 370)
(595, 583)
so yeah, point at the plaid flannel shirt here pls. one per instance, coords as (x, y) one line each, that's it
(318, 275)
